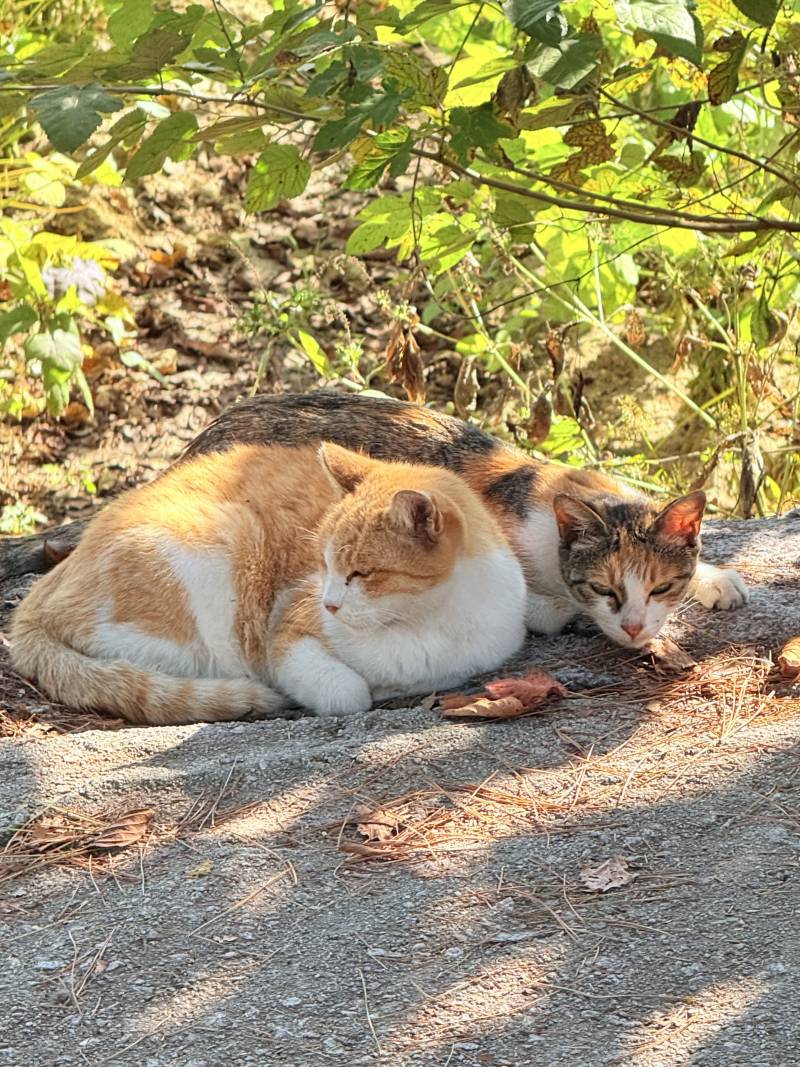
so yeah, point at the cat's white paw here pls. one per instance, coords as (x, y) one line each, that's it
(343, 694)
(719, 588)
(547, 614)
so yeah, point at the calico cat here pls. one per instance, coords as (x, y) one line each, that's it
(587, 543)
(241, 582)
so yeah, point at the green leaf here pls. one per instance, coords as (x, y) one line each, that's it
(313, 349)
(411, 71)
(152, 53)
(724, 78)
(526, 14)
(391, 149)
(339, 132)
(570, 63)
(129, 21)
(130, 124)
(428, 9)
(443, 242)
(59, 346)
(764, 12)
(71, 114)
(475, 127)
(85, 391)
(17, 320)
(280, 172)
(671, 23)
(385, 219)
(172, 137)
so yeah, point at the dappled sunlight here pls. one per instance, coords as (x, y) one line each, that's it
(478, 1004)
(686, 1027)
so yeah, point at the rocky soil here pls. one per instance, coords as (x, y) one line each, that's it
(251, 924)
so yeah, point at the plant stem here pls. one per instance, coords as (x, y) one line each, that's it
(576, 306)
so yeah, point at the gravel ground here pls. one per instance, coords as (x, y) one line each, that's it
(242, 934)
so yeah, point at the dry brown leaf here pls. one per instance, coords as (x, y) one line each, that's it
(789, 658)
(610, 874)
(452, 701)
(482, 707)
(531, 690)
(126, 831)
(377, 825)
(667, 657)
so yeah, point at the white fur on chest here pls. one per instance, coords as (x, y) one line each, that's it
(470, 623)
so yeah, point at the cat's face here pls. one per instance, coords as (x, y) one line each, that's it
(628, 564)
(386, 550)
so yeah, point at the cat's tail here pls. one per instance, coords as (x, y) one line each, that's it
(139, 695)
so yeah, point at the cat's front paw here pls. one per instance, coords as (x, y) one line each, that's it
(345, 696)
(719, 588)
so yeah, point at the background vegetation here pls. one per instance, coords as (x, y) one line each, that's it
(575, 223)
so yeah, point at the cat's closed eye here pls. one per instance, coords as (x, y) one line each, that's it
(660, 590)
(356, 574)
(603, 590)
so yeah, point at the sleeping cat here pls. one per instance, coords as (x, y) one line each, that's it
(587, 543)
(242, 582)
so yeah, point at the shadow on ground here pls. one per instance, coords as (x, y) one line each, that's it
(257, 941)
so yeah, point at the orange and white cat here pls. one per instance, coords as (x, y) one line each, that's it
(242, 582)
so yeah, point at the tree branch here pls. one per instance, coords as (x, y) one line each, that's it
(679, 131)
(705, 224)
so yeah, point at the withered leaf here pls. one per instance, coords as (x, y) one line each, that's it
(635, 333)
(594, 142)
(465, 393)
(610, 874)
(724, 78)
(668, 658)
(531, 690)
(377, 825)
(482, 707)
(124, 832)
(538, 425)
(789, 658)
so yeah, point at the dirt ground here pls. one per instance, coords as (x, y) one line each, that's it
(252, 924)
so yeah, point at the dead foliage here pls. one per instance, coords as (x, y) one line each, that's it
(504, 698)
(610, 874)
(60, 837)
(789, 658)
(446, 819)
(666, 657)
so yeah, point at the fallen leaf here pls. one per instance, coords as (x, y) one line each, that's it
(789, 658)
(377, 825)
(203, 868)
(667, 657)
(531, 690)
(610, 874)
(457, 700)
(482, 707)
(127, 831)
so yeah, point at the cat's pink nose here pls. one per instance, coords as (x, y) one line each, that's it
(333, 608)
(632, 629)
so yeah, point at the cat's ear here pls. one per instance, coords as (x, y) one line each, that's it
(346, 468)
(576, 519)
(680, 520)
(417, 514)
